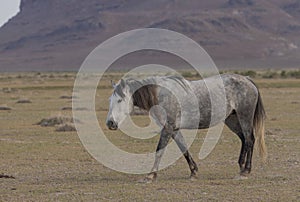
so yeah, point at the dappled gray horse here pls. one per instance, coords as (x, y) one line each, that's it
(244, 112)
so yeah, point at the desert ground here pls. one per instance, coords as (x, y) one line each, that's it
(39, 163)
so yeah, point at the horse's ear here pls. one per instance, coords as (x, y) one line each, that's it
(122, 83)
(113, 83)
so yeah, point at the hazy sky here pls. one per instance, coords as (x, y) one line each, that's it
(8, 8)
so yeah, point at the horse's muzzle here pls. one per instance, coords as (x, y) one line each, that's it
(112, 125)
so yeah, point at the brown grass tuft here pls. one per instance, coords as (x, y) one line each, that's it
(54, 121)
(5, 108)
(24, 101)
(65, 127)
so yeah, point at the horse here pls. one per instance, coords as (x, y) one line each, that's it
(244, 114)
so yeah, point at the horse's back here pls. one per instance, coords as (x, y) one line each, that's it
(241, 95)
(240, 91)
(237, 89)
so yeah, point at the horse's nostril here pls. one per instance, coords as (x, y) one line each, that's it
(110, 123)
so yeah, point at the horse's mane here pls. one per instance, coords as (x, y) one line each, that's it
(144, 92)
(180, 80)
(145, 97)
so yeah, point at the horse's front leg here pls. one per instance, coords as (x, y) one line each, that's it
(163, 142)
(177, 136)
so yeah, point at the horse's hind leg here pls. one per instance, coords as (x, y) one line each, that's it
(233, 124)
(249, 144)
(177, 136)
(246, 122)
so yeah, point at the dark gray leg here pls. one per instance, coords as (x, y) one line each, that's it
(233, 124)
(249, 144)
(242, 153)
(246, 122)
(163, 142)
(177, 136)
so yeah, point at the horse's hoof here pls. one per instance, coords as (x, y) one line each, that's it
(149, 179)
(193, 178)
(245, 172)
(241, 177)
(146, 180)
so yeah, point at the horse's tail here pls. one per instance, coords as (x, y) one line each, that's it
(259, 125)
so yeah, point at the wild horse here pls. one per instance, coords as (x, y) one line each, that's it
(244, 112)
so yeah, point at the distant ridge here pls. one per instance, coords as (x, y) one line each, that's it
(54, 35)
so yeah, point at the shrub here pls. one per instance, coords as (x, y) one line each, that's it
(295, 74)
(283, 74)
(187, 74)
(270, 75)
(250, 73)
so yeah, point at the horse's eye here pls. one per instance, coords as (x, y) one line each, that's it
(120, 100)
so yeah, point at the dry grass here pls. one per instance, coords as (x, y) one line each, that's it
(50, 166)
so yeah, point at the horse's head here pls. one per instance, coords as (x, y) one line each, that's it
(120, 105)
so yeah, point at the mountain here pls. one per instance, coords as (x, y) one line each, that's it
(58, 35)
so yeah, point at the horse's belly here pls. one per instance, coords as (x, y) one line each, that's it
(200, 120)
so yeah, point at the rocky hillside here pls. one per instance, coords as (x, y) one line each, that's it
(58, 35)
